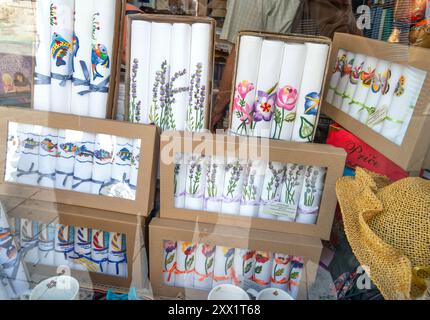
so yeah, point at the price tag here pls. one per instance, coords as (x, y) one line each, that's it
(281, 210)
(377, 117)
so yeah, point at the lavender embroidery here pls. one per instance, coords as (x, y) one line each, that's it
(249, 187)
(235, 170)
(311, 177)
(291, 182)
(195, 174)
(196, 108)
(211, 180)
(163, 97)
(278, 177)
(135, 105)
(175, 179)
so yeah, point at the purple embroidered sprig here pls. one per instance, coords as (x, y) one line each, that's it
(194, 175)
(278, 177)
(163, 97)
(311, 177)
(135, 105)
(211, 180)
(291, 182)
(235, 170)
(249, 187)
(196, 108)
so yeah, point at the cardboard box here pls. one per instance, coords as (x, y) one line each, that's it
(172, 19)
(410, 155)
(427, 161)
(145, 192)
(290, 38)
(115, 60)
(130, 226)
(232, 237)
(326, 156)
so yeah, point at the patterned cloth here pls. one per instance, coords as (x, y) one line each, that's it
(258, 15)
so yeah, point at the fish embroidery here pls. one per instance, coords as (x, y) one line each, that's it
(103, 155)
(75, 50)
(84, 152)
(99, 56)
(60, 48)
(48, 146)
(29, 143)
(68, 148)
(124, 154)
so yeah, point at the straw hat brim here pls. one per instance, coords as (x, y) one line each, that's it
(389, 268)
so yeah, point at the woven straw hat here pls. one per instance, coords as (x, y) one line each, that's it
(388, 228)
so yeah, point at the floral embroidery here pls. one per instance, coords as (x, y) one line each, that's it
(236, 170)
(400, 88)
(243, 110)
(291, 182)
(188, 249)
(229, 258)
(264, 106)
(356, 73)
(286, 101)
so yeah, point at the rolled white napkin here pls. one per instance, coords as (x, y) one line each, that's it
(121, 166)
(159, 71)
(67, 148)
(10, 262)
(272, 53)
(354, 79)
(185, 262)
(272, 188)
(297, 265)
(384, 104)
(13, 152)
(345, 80)
(64, 245)
(169, 262)
(244, 260)
(403, 104)
(84, 159)
(246, 82)
(29, 239)
(102, 166)
(287, 96)
(180, 181)
(262, 269)
(336, 74)
(215, 174)
(82, 247)
(117, 255)
(28, 163)
(201, 37)
(46, 244)
(101, 56)
(224, 266)
(204, 268)
(233, 185)
(99, 249)
(415, 96)
(310, 92)
(42, 69)
(48, 153)
(180, 57)
(310, 199)
(378, 86)
(291, 191)
(81, 59)
(280, 271)
(357, 103)
(62, 25)
(252, 188)
(135, 163)
(139, 75)
(195, 186)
